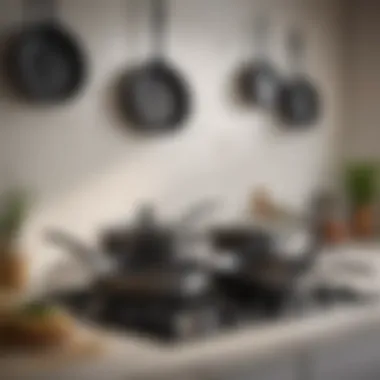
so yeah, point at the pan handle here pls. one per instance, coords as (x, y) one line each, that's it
(296, 48)
(39, 10)
(261, 31)
(158, 19)
(96, 261)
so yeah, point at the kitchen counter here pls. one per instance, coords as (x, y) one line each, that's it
(122, 356)
(127, 357)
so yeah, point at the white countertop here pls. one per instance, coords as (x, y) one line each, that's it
(128, 357)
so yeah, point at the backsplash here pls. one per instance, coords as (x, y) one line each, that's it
(87, 169)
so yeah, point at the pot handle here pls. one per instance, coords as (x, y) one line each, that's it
(96, 261)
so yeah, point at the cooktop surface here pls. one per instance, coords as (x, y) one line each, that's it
(169, 320)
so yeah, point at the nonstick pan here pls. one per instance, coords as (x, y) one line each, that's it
(155, 98)
(259, 81)
(44, 61)
(299, 102)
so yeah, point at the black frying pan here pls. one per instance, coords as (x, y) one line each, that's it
(299, 103)
(258, 80)
(44, 61)
(155, 97)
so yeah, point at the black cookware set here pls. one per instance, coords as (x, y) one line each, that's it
(295, 99)
(46, 64)
(175, 281)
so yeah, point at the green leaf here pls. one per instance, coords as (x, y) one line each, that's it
(13, 212)
(362, 182)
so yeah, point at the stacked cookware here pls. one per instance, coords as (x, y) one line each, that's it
(178, 281)
(145, 278)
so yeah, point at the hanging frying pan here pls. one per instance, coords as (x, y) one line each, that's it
(299, 101)
(258, 81)
(45, 63)
(155, 97)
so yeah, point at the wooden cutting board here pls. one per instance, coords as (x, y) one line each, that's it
(85, 345)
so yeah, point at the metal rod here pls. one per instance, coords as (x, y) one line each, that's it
(158, 19)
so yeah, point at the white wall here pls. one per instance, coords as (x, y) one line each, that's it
(87, 170)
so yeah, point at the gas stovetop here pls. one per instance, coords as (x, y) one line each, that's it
(190, 319)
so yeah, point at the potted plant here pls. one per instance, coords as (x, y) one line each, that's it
(362, 188)
(12, 266)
